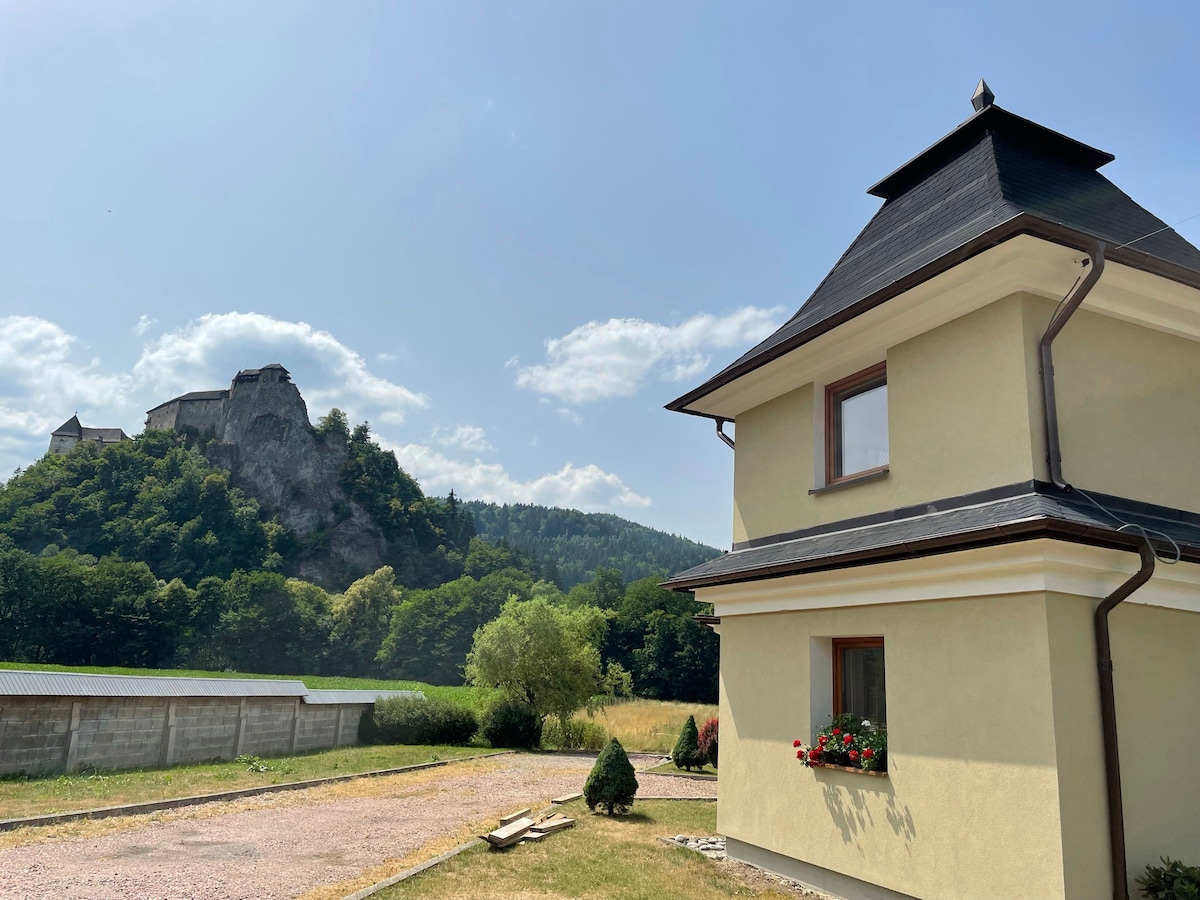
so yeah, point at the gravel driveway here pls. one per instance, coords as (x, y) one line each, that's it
(282, 845)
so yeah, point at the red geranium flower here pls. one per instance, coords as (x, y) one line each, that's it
(853, 756)
(814, 753)
(837, 731)
(868, 753)
(823, 739)
(848, 739)
(795, 743)
(799, 754)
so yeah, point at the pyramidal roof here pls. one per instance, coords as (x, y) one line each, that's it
(995, 176)
(69, 428)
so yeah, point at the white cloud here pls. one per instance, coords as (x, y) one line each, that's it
(588, 488)
(209, 350)
(599, 360)
(571, 416)
(386, 357)
(143, 325)
(465, 437)
(42, 383)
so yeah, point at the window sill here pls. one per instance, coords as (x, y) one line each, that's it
(858, 478)
(852, 771)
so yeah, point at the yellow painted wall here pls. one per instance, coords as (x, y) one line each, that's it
(1156, 657)
(1129, 406)
(1078, 749)
(773, 465)
(971, 806)
(958, 419)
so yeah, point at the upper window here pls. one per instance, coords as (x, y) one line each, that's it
(856, 425)
(858, 681)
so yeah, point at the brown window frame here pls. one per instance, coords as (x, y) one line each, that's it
(840, 644)
(851, 386)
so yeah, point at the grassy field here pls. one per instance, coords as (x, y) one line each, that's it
(476, 698)
(619, 859)
(650, 726)
(21, 797)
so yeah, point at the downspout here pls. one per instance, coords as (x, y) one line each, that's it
(722, 435)
(1066, 309)
(1104, 663)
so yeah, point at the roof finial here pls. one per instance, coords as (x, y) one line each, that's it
(983, 96)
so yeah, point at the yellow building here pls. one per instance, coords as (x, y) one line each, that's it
(930, 535)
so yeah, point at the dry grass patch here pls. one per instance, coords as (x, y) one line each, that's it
(650, 726)
(602, 858)
(20, 797)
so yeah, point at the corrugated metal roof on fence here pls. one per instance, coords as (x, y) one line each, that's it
(330, 696)
(22, 683)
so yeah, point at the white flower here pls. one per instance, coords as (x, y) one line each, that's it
(866, 723)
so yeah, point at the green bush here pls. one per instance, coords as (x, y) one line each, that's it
(686, 754)
(511, 723)
(367, 732)
(574, 734)
(612, 783)
(707, 741)
(1171, 881)
(412, 720)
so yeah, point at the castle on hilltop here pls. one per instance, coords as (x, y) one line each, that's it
(209, 410)
(64, 438)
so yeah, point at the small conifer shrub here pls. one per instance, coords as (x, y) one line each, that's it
(708, 741)
(612, 782)
(686, 754)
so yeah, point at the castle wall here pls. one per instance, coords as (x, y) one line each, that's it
(202, 415)
(163, 417)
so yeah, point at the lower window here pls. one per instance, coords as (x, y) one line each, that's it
(858, 679)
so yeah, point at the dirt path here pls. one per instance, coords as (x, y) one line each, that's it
(282, 845)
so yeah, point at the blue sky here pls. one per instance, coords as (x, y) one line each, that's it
(503, 234)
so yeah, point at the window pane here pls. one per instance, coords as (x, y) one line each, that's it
(864, 431)
(863, 683)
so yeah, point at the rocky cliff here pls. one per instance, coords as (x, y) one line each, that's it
(273, 453)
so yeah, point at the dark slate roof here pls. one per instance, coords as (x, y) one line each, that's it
(995, 176)
(194, 395)
(69, 428)
(103, 435)
(1017, 512)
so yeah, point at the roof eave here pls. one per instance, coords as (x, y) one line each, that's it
(1022, 223)
(1003, 533)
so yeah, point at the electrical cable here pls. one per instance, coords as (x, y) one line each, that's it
(1159, 231)
(1145, 532)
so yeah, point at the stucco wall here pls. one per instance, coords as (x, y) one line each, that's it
(40, 735)
(1128, 406)
(1156, 658)
(958, 421)
(970, 807)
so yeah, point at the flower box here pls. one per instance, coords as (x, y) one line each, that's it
(850, 769)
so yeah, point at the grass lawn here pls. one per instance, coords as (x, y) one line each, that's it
(649, 726)
(476, 698)
(21, 797)
(668, 768)
(618, 859)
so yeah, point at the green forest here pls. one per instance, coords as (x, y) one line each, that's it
(142, 554)
(573, 545)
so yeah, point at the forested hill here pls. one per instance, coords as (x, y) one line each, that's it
(573, 545)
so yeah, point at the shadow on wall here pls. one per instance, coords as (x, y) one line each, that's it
(849, 811)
